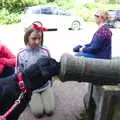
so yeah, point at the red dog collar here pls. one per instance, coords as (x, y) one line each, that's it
(21, 83)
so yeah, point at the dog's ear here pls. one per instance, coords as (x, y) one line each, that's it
(48, 67)
(32, 77)
(40, 72)
(32, 71)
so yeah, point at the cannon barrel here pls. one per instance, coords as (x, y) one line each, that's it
(96, 71)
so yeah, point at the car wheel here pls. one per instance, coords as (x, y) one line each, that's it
(76, 25)
(117, 24)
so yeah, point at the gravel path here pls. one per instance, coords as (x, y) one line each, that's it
(69, 102)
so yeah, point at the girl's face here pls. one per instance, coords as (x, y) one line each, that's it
(98, 18)
(35, 39)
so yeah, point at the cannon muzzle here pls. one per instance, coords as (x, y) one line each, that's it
(96, 71)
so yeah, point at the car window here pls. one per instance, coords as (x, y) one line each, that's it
(31, 10)
(118, 12)
(37, 11)
(55, 11)
(112, 12)
(61, 11)
(46, 11)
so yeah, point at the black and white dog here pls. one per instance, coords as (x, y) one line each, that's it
(34, 77)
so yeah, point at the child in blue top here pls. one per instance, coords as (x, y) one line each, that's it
(43, 98)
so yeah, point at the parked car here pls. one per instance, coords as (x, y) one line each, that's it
(114, 18)
(51, 17)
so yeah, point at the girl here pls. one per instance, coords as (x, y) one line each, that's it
(43, 98)
(100, 46)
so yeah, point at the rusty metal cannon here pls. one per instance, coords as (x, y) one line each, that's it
(97, 71)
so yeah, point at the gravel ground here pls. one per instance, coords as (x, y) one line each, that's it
(69, 102)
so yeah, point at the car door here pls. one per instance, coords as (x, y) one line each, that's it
(56, 17)
(46, 17)
(65, 18)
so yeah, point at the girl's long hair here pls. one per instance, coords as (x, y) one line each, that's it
(28, 32)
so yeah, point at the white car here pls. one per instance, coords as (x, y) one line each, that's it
(51, 17)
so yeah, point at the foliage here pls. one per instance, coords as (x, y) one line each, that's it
(86, 11)
(9, 18)
(10, 10)
(18, 5)
(109, 1)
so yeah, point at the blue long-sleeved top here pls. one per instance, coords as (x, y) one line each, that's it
(100, 45)
(29, 56)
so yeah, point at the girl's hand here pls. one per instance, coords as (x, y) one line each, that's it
(81, 49)
(77, 48)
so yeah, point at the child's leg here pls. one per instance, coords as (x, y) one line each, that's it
(36, 105)
(48, 100)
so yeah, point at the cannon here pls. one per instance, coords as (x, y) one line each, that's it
(96, 71)
(103, 101)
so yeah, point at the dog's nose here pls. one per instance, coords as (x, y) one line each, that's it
(49, 67)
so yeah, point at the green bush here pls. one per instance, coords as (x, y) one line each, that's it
(12, 18)
(10, 10)
(86, 11)
(18, 5)
(9, 18)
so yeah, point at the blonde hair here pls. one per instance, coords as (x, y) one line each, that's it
(104, 14)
